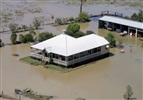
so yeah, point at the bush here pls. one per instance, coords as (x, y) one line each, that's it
(13, 38)
(89, 32)
(79, 34)
(83, 17)
(74, 27)
(44, 36)
(111, 39)
(58, 21)
(36, 23)
(128, 94)
(22, 38)
(13, 27)
(29, 38)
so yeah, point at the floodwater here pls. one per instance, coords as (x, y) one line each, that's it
(102, 79)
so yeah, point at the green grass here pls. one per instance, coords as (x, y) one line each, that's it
(30, 60)
(35, 62)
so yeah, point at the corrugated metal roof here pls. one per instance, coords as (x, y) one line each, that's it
(122, 21)
(66, 45)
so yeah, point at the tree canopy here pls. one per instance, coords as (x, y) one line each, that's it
(36, 23)
(111, 39)
(138, 16)
(128, 94)
(44, 36)
(83, 17)
(13, 27)
(13, 38)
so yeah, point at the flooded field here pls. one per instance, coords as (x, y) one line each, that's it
(102, 79)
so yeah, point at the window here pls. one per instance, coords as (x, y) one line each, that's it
(94, 50)
(99, 49)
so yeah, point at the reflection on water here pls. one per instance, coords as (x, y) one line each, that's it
(101, 79)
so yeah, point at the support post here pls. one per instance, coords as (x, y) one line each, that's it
(136, 34)
(129, 30)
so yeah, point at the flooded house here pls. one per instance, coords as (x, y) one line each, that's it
(121, 25)
(66, 50)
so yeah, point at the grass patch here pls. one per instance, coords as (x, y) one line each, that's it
(30, 60)
(36, 62)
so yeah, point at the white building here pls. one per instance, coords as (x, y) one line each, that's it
(66, 50)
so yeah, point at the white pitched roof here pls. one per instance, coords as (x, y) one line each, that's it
(122, 21)
(66, 45)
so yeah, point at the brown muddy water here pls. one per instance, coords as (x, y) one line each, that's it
(101, 79)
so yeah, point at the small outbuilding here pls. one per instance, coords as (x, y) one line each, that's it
(122, 25)
(66, 50)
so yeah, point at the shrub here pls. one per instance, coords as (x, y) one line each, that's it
(74, 27)
(44, 36)
(89, 32)
(36, 23)
(29, 38)
(128, 94)
(22, 38)
(58, 21)
(111, 39)
(13, 27)
(13, 38)
(79, 34)
(83, 17)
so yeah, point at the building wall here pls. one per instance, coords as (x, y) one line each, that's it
(104, 50)
(77, 58)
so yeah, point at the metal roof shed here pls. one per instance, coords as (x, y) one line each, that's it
(122, 21)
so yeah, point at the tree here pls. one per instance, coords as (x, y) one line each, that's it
(81, 3)
(13, 38)
(72, 28)
(128, 94)
(13, 27)
(111, 39)
(138, 17)
(44, 36)
(22, 38)
(36, 23)
(83, 17)
(29, 38)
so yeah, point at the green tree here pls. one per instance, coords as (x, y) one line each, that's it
(111, 39)
(72, 28)
(128, 94)
(140, 16)
(13, 38)
(44, 36)
(81, 3)
(13, 27)
(29, 38)
(83, 17)
(36, 23)
(22, 38)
